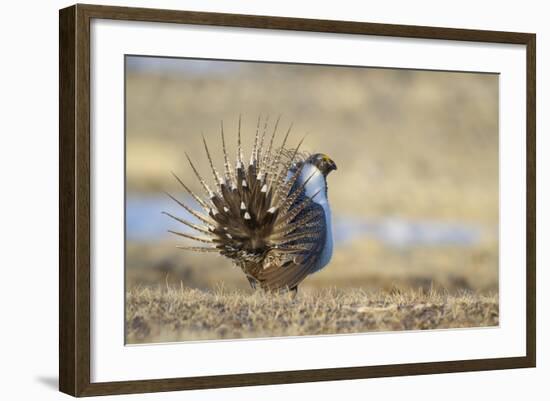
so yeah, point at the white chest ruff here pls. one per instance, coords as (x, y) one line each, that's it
(317, 185)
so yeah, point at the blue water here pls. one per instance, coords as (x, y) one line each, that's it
(144, 222)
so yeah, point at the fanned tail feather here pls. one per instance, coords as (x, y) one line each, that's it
(254, 211)
(267, 157)
(201, 180)
(198, 215)
(191, 193)
(227, 166)
(215, 174)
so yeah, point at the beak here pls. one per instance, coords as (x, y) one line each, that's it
(331, 165)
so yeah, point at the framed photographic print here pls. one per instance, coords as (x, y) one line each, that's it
(250, 200)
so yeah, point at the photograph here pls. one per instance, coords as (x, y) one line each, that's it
(270, 199)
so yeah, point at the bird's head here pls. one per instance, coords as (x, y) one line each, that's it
(324, 163)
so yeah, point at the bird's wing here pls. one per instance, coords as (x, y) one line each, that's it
(310, 234)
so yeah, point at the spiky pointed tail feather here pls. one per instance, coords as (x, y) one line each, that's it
(256, 215)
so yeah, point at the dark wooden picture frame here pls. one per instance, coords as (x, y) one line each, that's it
(74, 199)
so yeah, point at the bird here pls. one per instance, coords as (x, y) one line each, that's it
(271, 216)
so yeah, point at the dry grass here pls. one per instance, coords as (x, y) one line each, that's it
(169, 313)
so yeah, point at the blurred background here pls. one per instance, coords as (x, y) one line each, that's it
(415, 198)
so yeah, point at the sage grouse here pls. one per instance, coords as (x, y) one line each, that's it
(271, 217)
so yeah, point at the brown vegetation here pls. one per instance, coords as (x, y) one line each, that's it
(167, 314)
